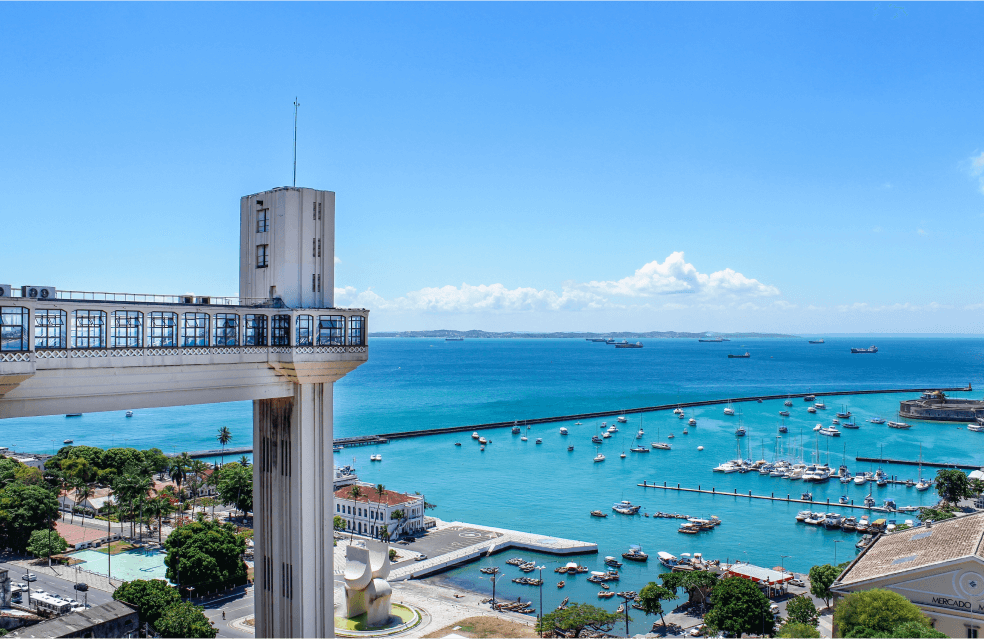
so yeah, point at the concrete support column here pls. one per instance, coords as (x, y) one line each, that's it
(293, 511)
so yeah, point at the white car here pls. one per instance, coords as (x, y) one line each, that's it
(797, 582)
(774, 609)
(18, 586)
(29, 576)
(697, 631)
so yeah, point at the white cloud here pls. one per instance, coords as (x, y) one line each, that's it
(338, 260)
(977, 169)
(676, 275)
(717, 290)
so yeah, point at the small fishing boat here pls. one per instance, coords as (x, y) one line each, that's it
(852, 425)
(561, 584)
(622, 455)
(563, 430)
(129, 413)
(515, 429)
(539, 440)
(625, 507)
(877, 420)
(809, 398)
(811, 410)
(621, 419)
(599, 457)
(482, 440)
(595, 439)
(524, 438)
(475, 435)
(670, 436)
(784, 413)
(68, 441)
(835, 422)
(692, 421)
(783, 429)
(661, 445)
(577, 423)
(820, 406)
(457, 443)
(570, 448)
(787, 403)
(74, 415)
(482, 449)
(686, 432)
(598, 513)
(605, 594)
(729, 409)
(612, 561)
(635, 554)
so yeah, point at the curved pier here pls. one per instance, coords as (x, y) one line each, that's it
(347, 441)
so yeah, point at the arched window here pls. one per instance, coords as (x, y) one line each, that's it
(162, 329)
(89, 329)
(194, 329)
(50, 329)
(305, 324)
(256, 330)
(280, 330)
(127, 329)
(331, 330)
(13, 328)
(226, 330)
(357, 336)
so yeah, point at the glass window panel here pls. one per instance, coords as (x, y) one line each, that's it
(194, 329)
(13, 328)
(261, 256)
(127, 329)
(89, 329)
(331, 330)
(256, 330)
(50, 329)
(226, 329)
(305, 324)
(162, 329)
(262, 220)
(280, 330)
(357, 336)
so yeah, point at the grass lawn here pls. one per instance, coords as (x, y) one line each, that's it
(116, 546)
(485, 627)
(359, 623)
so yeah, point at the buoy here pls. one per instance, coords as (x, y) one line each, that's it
(700, 448)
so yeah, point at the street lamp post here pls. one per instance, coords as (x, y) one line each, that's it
(782, 567)
(540, 616)
(836, 541)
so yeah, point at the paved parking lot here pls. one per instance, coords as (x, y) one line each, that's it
(445, 540)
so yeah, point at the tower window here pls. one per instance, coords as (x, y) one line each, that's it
(263, 220)
(261, 255)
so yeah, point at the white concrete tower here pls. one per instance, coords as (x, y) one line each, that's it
(287, 252)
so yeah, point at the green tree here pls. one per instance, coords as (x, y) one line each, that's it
(651, 598)
(234, 484)
(909, 629)
(953, 485)
(129, 489)
(797, 631)
(576, 618)
(156, 461)
(44, 543)
(199, 469)
(821, 578)
(338, 523)
(206, 555)
(380, 491)
(696, 583)
(354, 493)
(801, 610)
(24, 509)
(185, 619)
(244, 461)
(91, 454)
(160, 506)
(178, 470)
(151, 597)
(936, 514)
(119, 459)
(224, 437)
(875, 613)
(739, 607)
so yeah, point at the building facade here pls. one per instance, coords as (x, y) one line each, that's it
(366, 515)
(939, 568)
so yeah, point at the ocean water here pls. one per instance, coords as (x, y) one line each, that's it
(419, 383)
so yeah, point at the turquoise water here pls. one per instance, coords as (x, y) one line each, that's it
(127, 566)
(419, 383)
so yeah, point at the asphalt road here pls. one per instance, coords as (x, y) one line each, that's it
(54, 585)
(235, 606)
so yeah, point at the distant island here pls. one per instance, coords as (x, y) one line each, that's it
(444, 333)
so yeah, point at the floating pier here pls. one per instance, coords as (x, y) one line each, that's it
(906, 462)
(787, 498)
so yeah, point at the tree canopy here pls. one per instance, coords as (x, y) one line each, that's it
(205, 554)
(880, 613)
(44, 543)
(953, 485)
(151, 597)
(185, 619)
(801, 610)
(651, 598)
(739, 607)
(821, 579)
(235, 486)
(25, 508)
(576, 618)
(797, 631)
(696, 583)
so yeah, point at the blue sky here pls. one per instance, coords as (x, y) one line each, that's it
(809, 167)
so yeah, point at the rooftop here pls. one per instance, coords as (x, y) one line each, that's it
(759, 574)
(77, 622)
(371, 496)
(919, 547)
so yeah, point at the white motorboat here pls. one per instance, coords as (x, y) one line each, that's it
(811, 410)
(899, 425)
(729, 409)
(375, 457)
(68, 441)
(667, 559)
(606, 435)
(678, 411)
(661, 445)
(692, 421)
(539, 441)
(830, 431)
(622, 455)
(726, 467)
(482, 440)
(787, 403)
(129, 413)
(475, 435)
(524, 438)
(613, 428)
(563, 430)
(977, 428)
(577, 423)
(924, 484)
(835, 421)
(803, 515)
(876, 420)
(621, 419)
(820, 406)
(599, 457)
(640, 434)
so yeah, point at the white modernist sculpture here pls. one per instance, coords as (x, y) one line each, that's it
(366, 590)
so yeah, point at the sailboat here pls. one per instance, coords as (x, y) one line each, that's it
(922, 484)
(599, 457)
(660, 445)
(729, 409)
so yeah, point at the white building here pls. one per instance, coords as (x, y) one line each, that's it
(371, 511)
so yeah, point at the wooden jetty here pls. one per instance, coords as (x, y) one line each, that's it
(216, 452)
(772, 497)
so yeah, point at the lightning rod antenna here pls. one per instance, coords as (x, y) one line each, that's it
(296, 104)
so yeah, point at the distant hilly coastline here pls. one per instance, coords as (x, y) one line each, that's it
(615, 334)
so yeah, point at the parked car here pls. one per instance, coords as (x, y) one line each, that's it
(29, 576)
(17, 597)
(81, 586)
(774, 609)
(797, 582)
(697, 631)
(18, 586)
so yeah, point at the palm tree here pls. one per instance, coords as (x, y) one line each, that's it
(224, 437)
(244, 461)
(178, 470)
(82, 492)
(379, 491)
(199, 468)
(355, 493)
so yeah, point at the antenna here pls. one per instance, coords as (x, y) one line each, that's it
(296, 104)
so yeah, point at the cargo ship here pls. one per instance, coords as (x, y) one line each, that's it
(873, 349)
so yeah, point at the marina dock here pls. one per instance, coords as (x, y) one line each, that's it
(772, 497)
(216, 452)
(906, 462)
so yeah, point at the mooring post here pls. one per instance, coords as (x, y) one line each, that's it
(749, 494)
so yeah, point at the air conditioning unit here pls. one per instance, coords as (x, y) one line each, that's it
(203, 300)
(38, 292)
(5, 290)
